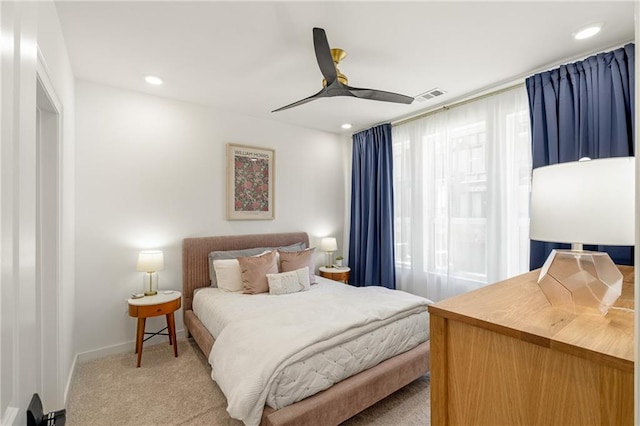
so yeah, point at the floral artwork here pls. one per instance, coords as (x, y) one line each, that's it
(250, 182)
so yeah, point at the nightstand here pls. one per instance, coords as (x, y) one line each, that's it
(164, 303)
(336, 274)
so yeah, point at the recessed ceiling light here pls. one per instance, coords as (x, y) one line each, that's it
(346, 126)
(153, 79)
(587, 32)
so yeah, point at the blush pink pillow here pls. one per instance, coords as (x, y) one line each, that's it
(254, 271)
(291, 261)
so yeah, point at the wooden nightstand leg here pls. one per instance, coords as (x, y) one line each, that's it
(171, 323)
(169, 328)
(140, 338)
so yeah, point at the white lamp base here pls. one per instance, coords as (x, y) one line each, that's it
(583, 278)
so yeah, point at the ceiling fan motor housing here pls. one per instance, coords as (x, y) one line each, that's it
(337, 55)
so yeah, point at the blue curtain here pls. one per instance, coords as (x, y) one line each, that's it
(583, 109)
(371, 250)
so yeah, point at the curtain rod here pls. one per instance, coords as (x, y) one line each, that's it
(454, 105)
(513, 83)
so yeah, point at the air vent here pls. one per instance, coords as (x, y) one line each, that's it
(429, 94)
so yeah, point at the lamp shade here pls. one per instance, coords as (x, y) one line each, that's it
(328, 244)
(150, 261)
(584, 202)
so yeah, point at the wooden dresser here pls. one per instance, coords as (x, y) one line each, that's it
(501, 355)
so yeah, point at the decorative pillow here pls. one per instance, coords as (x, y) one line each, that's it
(289, 282)
(289, 249)
(234, 254)
(229, 254)
(291, 261)
(229, 276)
(254, 272)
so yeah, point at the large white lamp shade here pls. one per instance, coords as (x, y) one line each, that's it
(586, 202)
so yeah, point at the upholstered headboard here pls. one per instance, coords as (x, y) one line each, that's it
(195, 255)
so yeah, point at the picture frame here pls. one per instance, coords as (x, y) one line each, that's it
(250, 182)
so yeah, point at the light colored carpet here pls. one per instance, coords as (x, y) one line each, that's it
(179, 391)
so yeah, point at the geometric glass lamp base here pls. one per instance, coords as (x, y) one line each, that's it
(582, 278)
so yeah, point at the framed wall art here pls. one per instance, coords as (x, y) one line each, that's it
(250, 182)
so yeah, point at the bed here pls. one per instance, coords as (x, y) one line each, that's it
(331, 406)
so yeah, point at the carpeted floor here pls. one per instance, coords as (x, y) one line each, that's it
(179, 391)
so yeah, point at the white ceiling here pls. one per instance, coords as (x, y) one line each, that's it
(253, 57)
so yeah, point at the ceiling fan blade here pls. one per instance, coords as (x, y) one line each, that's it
(379, 95)
(323, 55)
(320, 94)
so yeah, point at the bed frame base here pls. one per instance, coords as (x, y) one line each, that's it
(344, 399)
(198, 331)
(350, 396)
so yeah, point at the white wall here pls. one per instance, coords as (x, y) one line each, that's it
(151, 171)
(26, 29)
(346, 143)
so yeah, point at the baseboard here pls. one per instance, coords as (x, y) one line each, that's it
(123, 347)
(83, 357)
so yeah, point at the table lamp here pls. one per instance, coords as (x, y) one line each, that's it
(328, 245)
(150, 261)
(583, 202)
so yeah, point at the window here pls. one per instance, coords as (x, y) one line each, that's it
(462, 179)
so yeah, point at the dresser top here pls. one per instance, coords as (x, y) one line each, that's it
(518, 308)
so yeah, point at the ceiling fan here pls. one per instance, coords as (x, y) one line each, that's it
(334, 82)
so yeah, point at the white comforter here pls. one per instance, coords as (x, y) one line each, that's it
(249, 352)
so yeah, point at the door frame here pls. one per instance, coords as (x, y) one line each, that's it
(48, 238)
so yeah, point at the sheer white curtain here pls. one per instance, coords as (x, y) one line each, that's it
(461, 182)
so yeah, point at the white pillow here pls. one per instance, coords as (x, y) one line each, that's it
(289, 282)
(228, 274)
